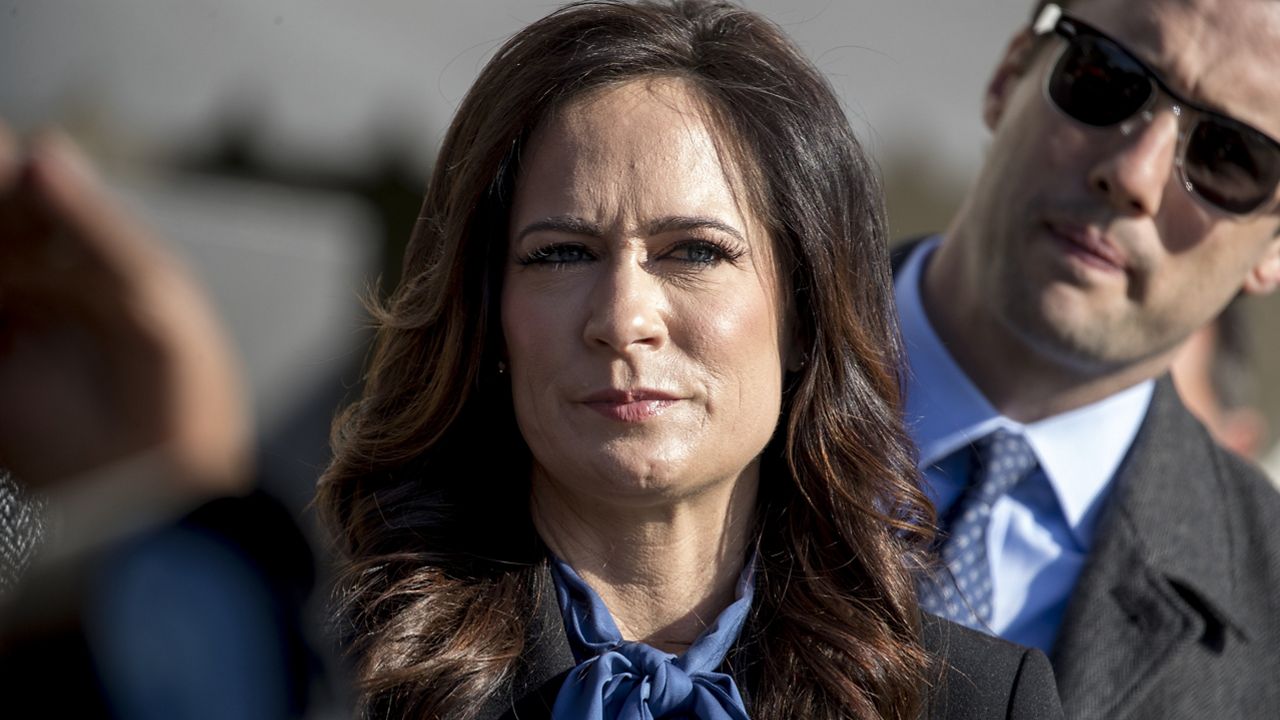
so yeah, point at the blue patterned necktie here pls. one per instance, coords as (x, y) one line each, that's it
(963, 592)
(619, 680)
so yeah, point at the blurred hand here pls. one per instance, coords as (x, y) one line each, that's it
(108, 348)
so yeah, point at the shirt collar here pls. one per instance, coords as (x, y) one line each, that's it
(1079, 451)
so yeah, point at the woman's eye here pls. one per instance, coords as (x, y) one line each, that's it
(699, 251)
(557, 255)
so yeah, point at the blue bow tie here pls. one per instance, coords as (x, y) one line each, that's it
(618, 680)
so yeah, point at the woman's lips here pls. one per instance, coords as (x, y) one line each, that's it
(630, 406)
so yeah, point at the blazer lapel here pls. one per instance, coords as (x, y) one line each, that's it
(543, 665)
(1158, 576)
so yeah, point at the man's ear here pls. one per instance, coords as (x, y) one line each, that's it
(1017, 58)
(1264, 278)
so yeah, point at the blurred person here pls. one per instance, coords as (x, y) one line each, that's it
(629, 444)
(1128, 193)
(1215, 379)
(164, 587)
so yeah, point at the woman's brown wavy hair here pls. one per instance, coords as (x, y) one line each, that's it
(428, 491)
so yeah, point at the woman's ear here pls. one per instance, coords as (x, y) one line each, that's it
(1017, 58)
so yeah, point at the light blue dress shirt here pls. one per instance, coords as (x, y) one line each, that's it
(1042, 531)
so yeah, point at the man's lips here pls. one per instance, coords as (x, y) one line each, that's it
(1089, 245)
(630, 405)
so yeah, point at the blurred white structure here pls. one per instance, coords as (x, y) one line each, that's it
(332, 84)
(1271, 464)
(325, 83)
(328, 76)
(285, 269)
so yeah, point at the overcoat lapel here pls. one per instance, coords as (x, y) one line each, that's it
(1158, 578)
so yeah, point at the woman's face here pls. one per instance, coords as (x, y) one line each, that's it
(641, 308)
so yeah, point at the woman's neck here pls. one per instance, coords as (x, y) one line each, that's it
(665, 571)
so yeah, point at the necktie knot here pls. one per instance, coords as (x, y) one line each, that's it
(1003, 459)
(965, 593)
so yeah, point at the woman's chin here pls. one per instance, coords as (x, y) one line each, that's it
(635, 480)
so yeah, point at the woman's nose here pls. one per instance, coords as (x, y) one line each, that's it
(627, 310)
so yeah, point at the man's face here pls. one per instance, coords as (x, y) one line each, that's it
(1081, 240)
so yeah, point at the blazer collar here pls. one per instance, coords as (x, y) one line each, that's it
(543, 664)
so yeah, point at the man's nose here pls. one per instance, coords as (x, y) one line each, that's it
(1135, 175)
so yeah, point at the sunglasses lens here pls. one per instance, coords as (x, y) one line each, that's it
(1098, 83)
(1233, 167)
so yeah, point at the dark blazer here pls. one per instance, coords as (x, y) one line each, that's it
(1177, 611)
(979, 677)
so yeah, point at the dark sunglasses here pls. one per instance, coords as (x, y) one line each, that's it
(1095, 81)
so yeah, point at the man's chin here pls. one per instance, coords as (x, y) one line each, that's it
(1078, 335)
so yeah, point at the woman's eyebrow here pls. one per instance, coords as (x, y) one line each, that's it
(687, 222)
(569, 224)
(574, 225)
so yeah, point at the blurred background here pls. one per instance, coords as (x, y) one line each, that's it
(283, 146)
